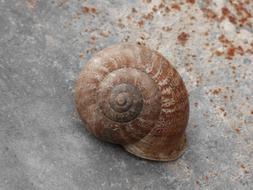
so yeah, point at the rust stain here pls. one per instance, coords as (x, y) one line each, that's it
(149, 16)
(219, 53)
(237, 130)
(209, 13)
(216, 91)
(176, 7)
(93, 10)
(87, 10)
(81, 56)
(230, 53)
(231, 49)
(141, 23)
(31, 4)
(190, 1)
(183, 38)
(226, 13)
(237, 13)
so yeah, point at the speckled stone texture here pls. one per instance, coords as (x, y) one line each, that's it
(44, 44)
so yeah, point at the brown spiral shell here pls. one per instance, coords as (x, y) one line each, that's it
(130, 95)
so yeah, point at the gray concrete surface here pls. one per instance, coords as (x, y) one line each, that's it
(44, 44)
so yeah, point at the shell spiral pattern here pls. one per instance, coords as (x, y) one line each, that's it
(130, 95)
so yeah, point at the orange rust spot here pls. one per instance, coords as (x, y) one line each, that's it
(241, 10)
(243, 14)
(231, 48)
(141, 23)
(85, 10)
(225, 11)
(149, 16)
(176, 7)
(183, 38)
(190, 1)
(216, 91)
(227, 14)
(223, 39)
(219, 53)
(237, 130)
(230, 53)
(232, 19)
(93, 10)
(31, 3)
(81, 55)
(209, 13)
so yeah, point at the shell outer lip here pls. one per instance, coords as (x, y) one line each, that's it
(170, 157)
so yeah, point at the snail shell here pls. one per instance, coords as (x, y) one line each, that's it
(130, 95)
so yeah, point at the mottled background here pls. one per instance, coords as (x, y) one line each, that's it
(44, 44)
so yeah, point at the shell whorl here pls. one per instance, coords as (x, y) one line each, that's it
(130, 95)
